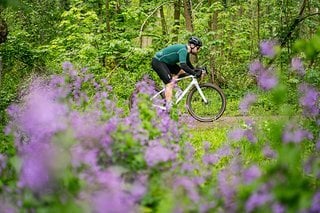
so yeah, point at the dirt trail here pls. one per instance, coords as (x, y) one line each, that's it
(225, 121)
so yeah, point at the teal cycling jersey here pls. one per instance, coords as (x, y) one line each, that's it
(177, 53)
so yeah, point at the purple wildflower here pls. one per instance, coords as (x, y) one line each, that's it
(43, 115)
(224, 151)
(228, 180)
(256, 67)
(206, 145)
(267, 48)
(157, 154)
(236, 134)
(37, 166)
(189, 151)
(116, 201)
(251, 174)
(67, 65)
(188, 167)
(267, 80)
(7, 207)
(315, 206)
(257, 199)
(210, 159)
(189, 186)
(309, 100)
(246, 102)
(249, 134)
(137, 190)
(318, 145)
(3, 162)
(213, 158)
(278, 208)
(206, 207)
(268, 152)
(146, 86)
(295, 134)
(168, 127)
(297, 66)
(309, 164)
(85, 126)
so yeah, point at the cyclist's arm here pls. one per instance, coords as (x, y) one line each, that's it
(187, 69)
(189, 63)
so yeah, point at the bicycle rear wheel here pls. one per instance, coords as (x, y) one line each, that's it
(210, 111)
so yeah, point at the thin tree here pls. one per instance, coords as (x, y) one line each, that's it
(213, 26)
(163, 21)
(107, 17)
(176, 20)
(188, 15)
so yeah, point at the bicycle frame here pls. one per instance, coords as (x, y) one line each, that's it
(194, 82)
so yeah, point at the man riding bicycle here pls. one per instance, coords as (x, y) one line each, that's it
(173, 61)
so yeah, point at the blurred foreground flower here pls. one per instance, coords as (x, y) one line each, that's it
(309, 100)
(246, 102)
(295, 134)
(268, 48)
(297, 66)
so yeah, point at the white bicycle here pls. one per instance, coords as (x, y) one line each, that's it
(205, 102)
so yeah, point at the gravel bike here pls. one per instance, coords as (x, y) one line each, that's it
(205, 102)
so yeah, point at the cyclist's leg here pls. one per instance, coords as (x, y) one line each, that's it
(181, 72)
(164, 72)
(175, 70)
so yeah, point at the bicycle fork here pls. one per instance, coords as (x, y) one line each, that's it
(196, 84)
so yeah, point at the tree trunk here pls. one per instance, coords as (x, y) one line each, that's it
(107, 17)
(65, 4)
(258, 21)
(163, 21)
(213, 26)
(176, 17)
(188, 15)
(3, 31)
(284, 38)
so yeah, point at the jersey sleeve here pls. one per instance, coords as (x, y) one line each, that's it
(187, 69)
(189, 62)
(185, 62)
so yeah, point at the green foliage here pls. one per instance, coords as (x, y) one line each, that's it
(310, 47)
(43, 34)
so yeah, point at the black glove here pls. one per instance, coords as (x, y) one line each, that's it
(198, 73)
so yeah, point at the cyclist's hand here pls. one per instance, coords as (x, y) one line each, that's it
(198, 73)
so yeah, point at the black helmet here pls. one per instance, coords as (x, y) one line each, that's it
(196, 41)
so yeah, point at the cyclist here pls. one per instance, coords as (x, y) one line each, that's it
(174, 61)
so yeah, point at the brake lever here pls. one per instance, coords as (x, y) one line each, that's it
(204, 72)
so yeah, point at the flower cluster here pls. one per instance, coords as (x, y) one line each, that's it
(75, 146)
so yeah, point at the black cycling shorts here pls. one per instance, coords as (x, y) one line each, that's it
(165, 70)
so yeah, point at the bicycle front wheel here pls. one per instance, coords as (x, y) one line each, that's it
(210, 110)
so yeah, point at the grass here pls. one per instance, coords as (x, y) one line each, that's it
(215, 136)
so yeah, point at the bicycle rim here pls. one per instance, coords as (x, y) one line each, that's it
(210, 111)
